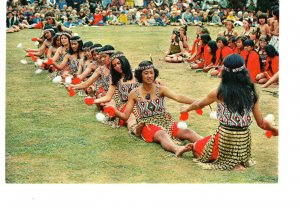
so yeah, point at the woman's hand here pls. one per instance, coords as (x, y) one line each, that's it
(184, 109)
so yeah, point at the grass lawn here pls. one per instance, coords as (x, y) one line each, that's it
(54, 138)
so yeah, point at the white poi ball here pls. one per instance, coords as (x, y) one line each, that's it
(57, 79)
(213, 115)
(20, 45)
(68, 80)
(270, 118)
(182, 125)
(23, 61)
(100, 117)
(39, 62)
(36, 43)
(75, 34)
(38, 71)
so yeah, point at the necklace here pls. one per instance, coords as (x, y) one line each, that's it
(148, 95)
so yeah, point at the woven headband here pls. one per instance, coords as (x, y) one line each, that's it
(234, 69)
(116, 56)
(107, 52)
(48, 30)
(96, 48)
(51, 17)
(65, 33)
(142, 68)
(75, 40)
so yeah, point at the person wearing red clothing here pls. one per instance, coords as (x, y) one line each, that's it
(199, 31)
(210, 56)
(252, 61)
(202, 51)
(272, 65)
(222, 52)
(240, 47)
(98, 17)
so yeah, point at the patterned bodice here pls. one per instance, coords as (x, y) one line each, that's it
(73, 65)
(228, 118)
(150, 108)
(103, 80)
(122, 91)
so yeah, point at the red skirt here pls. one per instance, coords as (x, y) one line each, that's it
(200, 144)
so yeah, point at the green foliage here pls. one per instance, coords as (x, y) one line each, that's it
(54, 138)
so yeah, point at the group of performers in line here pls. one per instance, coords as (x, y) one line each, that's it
(137, 99)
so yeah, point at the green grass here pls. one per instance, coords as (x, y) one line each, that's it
(54, 138)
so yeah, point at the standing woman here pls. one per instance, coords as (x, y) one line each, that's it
(176, 50)
(71, 60)
(154, 122)
(121, 85)
(230, 146)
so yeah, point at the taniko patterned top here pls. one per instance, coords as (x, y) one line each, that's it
(103, 80)
(228, 118)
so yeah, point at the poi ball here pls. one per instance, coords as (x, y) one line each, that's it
(39, 62)
(100, 117)
(38, 71)
(213, 115)
(199, 111)
(23, 61)
(57, 79)
(71, 92)
(182, 125)
(68, 80)
(36, 43)
(270, 118)
(75, 34)
(20, 45)
(89, 100)
(184, 116)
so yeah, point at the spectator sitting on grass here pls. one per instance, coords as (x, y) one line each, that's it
(215, 20)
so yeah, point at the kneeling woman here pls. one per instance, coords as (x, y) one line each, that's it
(230, 146)
(154, 123)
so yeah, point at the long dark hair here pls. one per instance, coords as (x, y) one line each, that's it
(213, 47)
(125, 66)
(54, 40)
(80, 44)
(236, 89)
(205, 39)
(271, 51)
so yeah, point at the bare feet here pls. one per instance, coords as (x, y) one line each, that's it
(183, 149)
(239, 168)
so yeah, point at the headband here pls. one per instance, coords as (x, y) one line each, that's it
(96, 48)
(107, 52)
(65, 33)
(142, 68)
(116, 56)
(234, 69)
(51, 17)
(75, 40)
(50, 29)
(86, 49)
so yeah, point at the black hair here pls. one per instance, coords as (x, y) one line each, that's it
(248, 42)
(138, 72)
(177, 33)
(263, 16)
(213, 46)
(236, 89)
(80, 44)
(223, 39)
(271, 51)
(232, 39)
(54, 39)
(96, 46)
(276, 12)
(67, 34)
(107, 48)
(184, 27)
(88, 44)
(205, 38)
(125, 66)
(53, 32)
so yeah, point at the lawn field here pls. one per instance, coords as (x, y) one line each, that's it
(54, 138)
